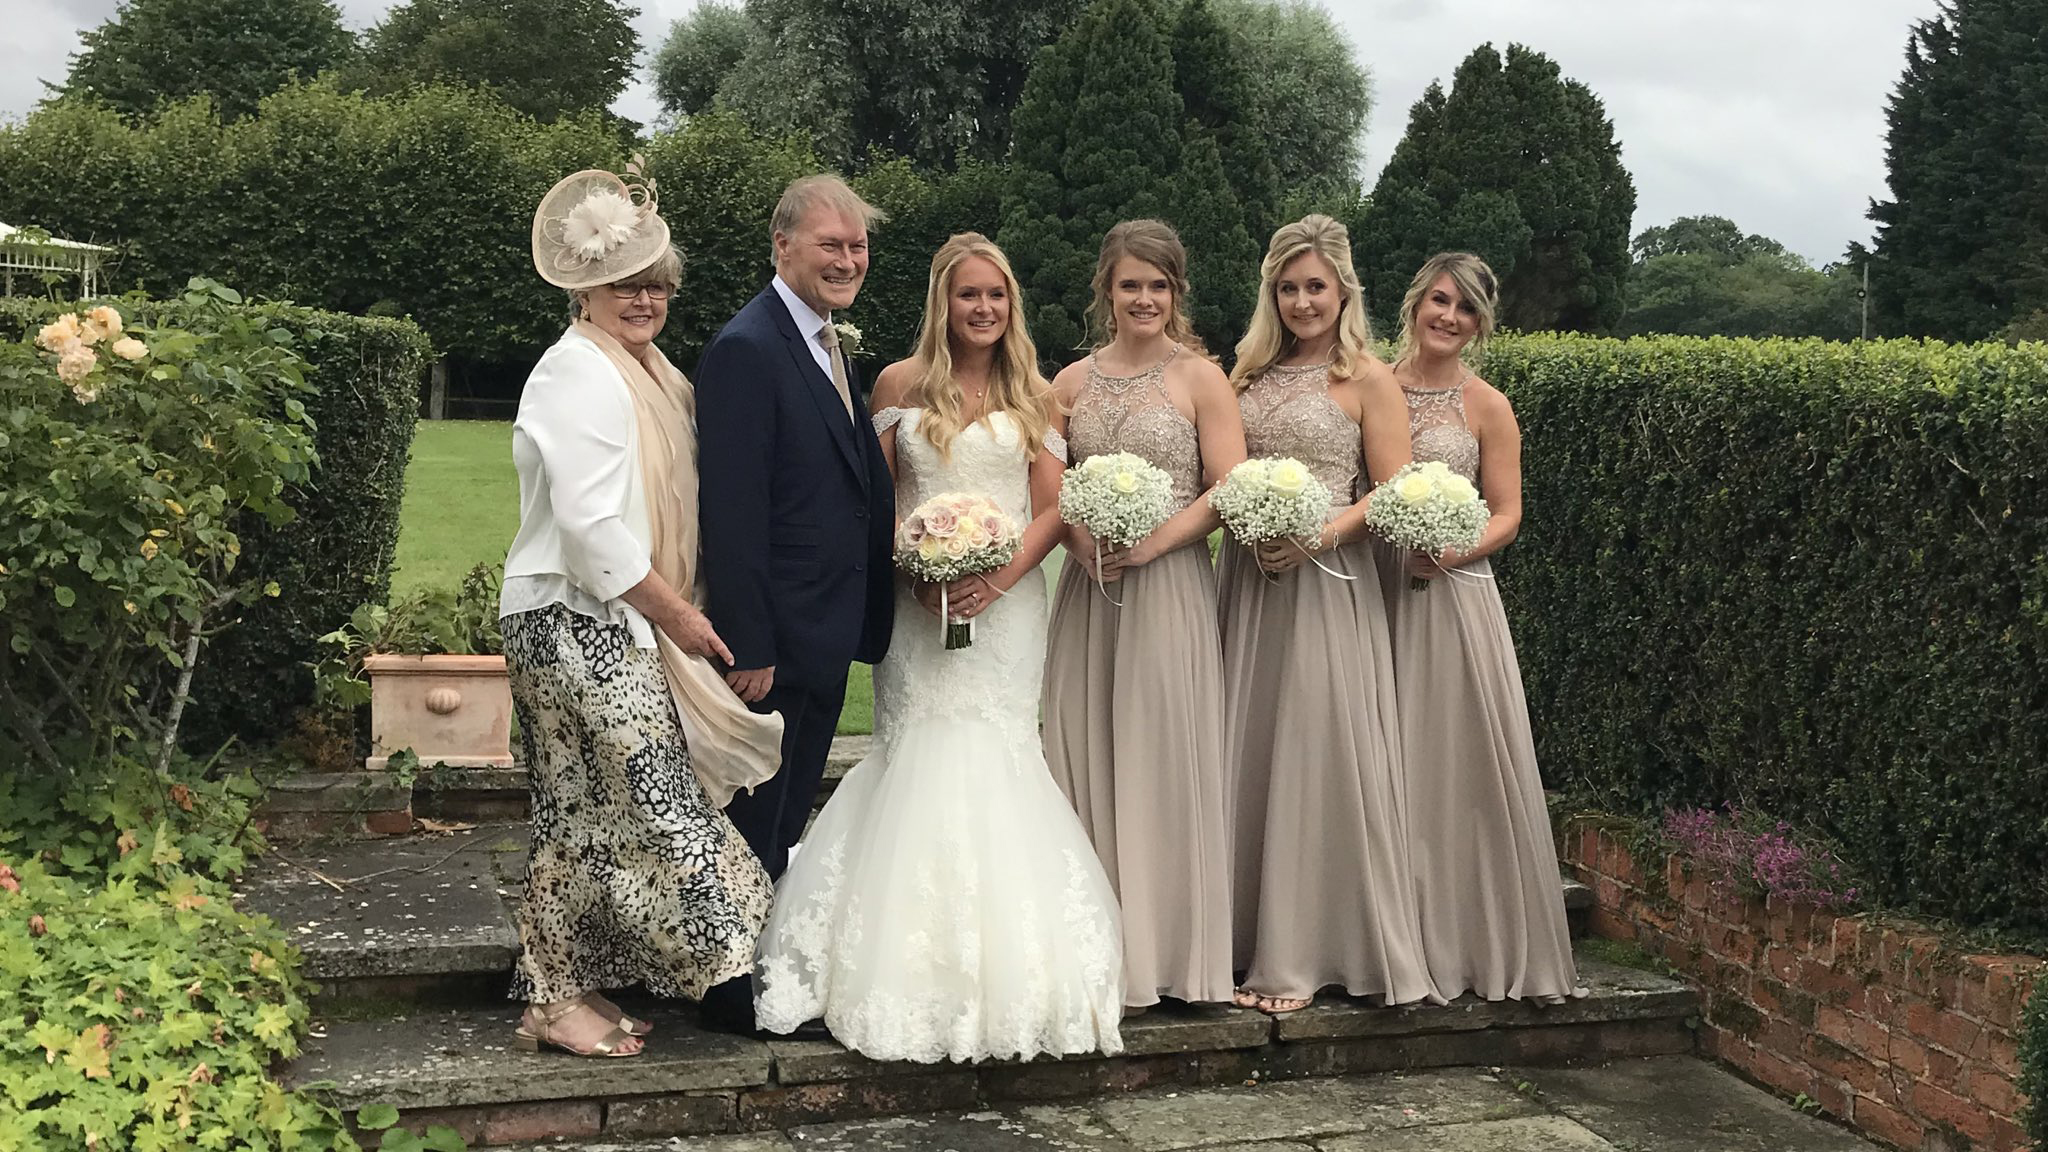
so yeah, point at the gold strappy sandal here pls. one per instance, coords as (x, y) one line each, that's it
(633, 1025)
(536, 1026)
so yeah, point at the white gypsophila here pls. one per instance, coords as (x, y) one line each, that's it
(1426, 507)
(1268, 498)
(1119, 497)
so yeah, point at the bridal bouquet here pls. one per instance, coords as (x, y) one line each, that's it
(1426, 507)
(952, 535)
(1271, 499)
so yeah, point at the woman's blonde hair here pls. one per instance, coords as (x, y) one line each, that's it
(1475, 282)
(1014, 383)
(1269, 340)
(1156, 243)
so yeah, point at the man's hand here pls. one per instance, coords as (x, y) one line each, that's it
(751, 684)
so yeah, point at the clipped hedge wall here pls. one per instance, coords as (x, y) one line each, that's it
(338, 552)
(1802, 576)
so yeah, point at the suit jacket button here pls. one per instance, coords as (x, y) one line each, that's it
(860, 567)
(860, 513)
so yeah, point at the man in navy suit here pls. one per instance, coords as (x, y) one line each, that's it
(797, 512)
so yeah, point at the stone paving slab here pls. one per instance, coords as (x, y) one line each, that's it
(1665, 1104)
(429, 905)
(1680, 1104)
(1306, 1109)
(465, 1056)
(1025, 1130)
(1523, 1134)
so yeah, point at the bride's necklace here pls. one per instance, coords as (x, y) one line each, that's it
(973, 401)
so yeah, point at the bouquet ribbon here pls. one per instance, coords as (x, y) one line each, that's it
(1099, 583)
(1310, 557)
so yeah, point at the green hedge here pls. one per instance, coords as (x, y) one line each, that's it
(1803, 576)
(338, 552)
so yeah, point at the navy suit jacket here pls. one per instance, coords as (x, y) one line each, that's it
(795, 502)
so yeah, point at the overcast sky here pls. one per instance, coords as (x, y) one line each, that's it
(1768, 112)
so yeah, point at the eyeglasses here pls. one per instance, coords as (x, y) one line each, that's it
(628, 291)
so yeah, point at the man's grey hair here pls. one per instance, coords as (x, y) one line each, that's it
(810, 193)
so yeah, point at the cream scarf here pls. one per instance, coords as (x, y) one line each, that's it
(731, 748)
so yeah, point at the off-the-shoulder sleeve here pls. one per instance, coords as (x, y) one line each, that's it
(888, 418)
(1056, 444)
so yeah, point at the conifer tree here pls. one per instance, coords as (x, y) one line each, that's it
(1520, 165)
(1097, 141)
(1962, 245)
(1215, 93)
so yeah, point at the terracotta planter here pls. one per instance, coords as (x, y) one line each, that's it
(453, 710)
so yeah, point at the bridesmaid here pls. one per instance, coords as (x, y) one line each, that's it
(1134, 694)
(1321, 890)
(1486, 876)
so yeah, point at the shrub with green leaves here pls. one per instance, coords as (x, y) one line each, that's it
(126, 462)
(336, 548)
(142, 1011)
(1803, 577)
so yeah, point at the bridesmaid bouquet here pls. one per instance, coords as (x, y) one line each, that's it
(1426, 507)
(1266, 498)
(952, 535)
(1119, 497)
(1274, 498)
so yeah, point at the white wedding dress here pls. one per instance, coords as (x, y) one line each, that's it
(947, 904)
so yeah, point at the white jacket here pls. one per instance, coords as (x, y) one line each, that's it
(584, 537)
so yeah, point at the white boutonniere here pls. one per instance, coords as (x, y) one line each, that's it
(849, 338)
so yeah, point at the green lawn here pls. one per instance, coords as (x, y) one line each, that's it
(462, 507)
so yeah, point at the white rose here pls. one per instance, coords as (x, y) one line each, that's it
(1289, 477)
(1414, 488)
(1459, 490)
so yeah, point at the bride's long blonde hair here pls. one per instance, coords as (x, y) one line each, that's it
(1268, 340)
(1014, 383)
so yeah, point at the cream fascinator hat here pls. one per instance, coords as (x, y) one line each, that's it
(595, 228)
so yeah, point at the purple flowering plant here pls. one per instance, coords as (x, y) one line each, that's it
(1748, 854)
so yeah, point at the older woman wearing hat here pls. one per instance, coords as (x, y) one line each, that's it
(633, 743)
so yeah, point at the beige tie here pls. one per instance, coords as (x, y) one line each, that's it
(830, 337)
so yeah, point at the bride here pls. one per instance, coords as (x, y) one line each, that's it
(947, 904)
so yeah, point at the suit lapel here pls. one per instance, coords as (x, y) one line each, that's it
(819, 385)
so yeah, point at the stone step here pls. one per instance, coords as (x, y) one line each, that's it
(428, 918)
(457, 1066)
(421, 918)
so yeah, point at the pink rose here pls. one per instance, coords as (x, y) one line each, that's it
(912, 530)
(996, 525)
(942, 522)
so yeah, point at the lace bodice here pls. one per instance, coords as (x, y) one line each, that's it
(1437, 428)
(1134, 414)
(987, 458)
(1288, 412)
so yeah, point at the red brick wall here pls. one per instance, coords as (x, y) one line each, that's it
(1905, 1039)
